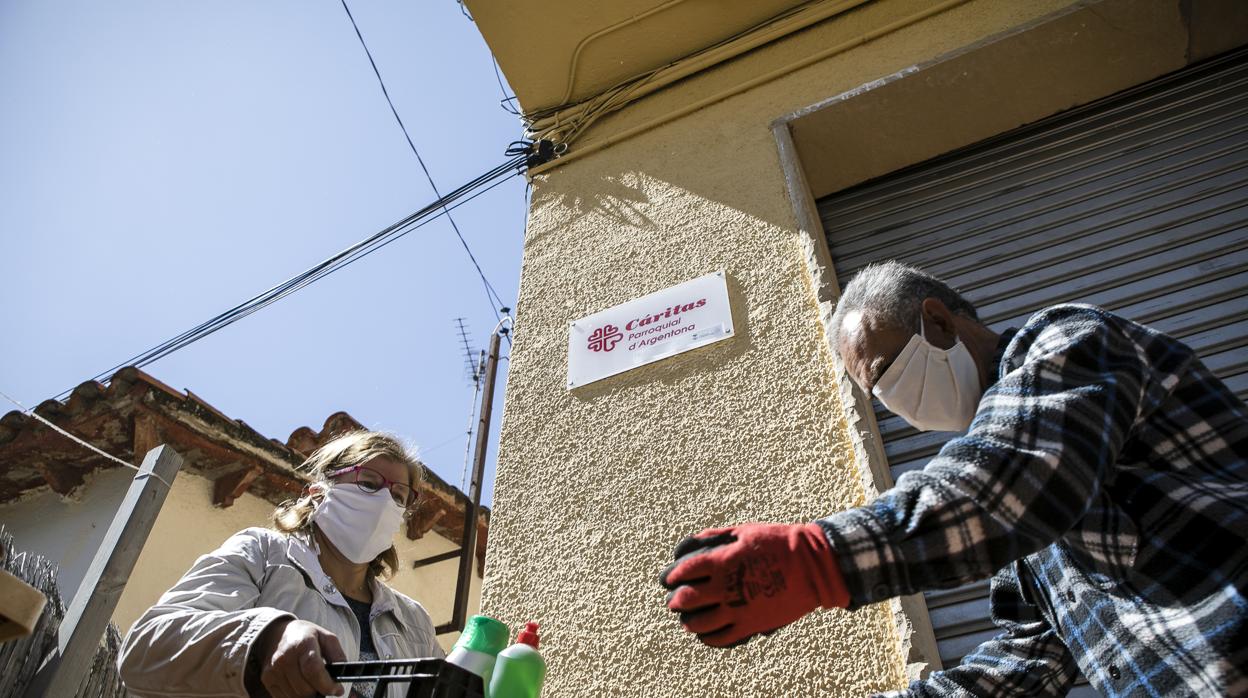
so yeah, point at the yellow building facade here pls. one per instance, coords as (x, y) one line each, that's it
(720, 170)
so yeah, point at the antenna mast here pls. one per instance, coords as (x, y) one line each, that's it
(473, 370)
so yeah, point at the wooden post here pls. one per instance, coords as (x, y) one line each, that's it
(92, 606)
(468, 547)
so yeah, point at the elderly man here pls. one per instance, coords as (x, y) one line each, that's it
(1102, 482)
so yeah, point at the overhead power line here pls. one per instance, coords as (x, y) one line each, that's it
(490, 294)
(518, 159)
(521, 156)
(507, 101)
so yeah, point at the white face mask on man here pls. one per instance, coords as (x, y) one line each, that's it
(933, 389)
(360, 524)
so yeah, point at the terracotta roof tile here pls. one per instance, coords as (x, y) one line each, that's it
(212, 444)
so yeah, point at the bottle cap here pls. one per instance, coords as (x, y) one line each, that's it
(529, 635)
(484, 634)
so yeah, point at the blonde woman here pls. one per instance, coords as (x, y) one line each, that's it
(262, 614)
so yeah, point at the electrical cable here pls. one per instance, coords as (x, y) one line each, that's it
(565, 122)
(472, 423)
(494, 177)
(424, 451)
(490, 293)
(506, 101)
(521, 154)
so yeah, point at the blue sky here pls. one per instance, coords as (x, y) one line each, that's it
(162, 161)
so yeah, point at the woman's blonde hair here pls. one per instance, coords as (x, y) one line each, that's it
(354, 448)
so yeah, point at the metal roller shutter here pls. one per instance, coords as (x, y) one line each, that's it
(1137, 203)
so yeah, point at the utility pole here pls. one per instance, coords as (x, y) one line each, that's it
(469, 543)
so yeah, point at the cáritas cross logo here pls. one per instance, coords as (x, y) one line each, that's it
(605, 338)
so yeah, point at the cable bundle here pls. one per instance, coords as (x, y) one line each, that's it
(567, 121)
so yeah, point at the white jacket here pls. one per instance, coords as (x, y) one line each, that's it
(196, 639)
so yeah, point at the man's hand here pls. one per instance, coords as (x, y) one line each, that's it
(730, 584)
(292, 656)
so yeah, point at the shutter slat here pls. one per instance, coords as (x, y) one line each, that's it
(945, 597)
(1115, 285)
(969, 616)
(1090, 121)
(1148, 225)
(1061, 137)
(1150, 166)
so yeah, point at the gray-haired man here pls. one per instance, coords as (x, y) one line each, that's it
(1102, 483)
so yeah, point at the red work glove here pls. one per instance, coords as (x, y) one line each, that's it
(730, 584)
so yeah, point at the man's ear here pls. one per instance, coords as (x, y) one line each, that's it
(938, 323)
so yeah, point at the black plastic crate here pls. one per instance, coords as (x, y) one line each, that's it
(427, 678)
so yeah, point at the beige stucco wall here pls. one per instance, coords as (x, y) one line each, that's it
(596, 485)
(188, 526)
(69, 531)
(434, 585)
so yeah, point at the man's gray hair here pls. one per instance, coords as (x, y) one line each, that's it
(893, 293)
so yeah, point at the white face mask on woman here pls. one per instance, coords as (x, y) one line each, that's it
(932, 389)
(360, 524)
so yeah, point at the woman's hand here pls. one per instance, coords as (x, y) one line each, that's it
(292, 656)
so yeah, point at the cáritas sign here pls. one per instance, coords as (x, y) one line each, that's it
(650, 328)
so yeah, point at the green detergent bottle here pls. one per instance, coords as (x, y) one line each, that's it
(520, 669)
(478, 646)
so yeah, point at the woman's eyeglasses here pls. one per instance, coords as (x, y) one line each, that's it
(370, 480)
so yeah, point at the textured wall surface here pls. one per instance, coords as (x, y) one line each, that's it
(595, 486)
(69, 531)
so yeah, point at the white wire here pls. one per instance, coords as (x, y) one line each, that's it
(507, 319)
(423, 451)
(472, 420)
(26, 410)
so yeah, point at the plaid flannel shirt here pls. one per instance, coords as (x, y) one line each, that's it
(1104, 481)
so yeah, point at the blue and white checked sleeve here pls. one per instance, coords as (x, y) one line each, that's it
(1044, 439)
(1027, 659)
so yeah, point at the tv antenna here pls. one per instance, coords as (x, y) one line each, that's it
(484, 371)
(474, 370)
